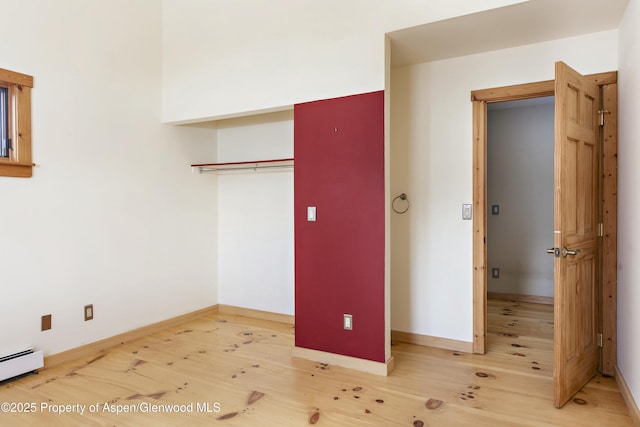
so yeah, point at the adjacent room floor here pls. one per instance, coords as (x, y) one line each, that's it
(236, 371)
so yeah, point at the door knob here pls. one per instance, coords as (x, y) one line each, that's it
(566, 252)
(554, 251)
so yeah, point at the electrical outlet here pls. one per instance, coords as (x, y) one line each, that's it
(348, 322)
(46, 322)
(88, 312)
(495, 273)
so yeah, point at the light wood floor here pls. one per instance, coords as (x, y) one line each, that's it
(243, 368)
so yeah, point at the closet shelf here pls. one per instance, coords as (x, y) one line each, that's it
(246, 165)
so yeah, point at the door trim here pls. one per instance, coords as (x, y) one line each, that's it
(480, 98)
(610, 238)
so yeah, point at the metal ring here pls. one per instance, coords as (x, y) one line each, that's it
(402, 196)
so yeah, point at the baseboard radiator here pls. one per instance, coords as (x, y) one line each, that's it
(22, 362)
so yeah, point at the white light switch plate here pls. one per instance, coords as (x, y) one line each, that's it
(348, 322)
(466, 211)
(311, 213)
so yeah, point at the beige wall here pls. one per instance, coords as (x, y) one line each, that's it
(228, 58)
(629, 200)
(255, 215)
(112, 216)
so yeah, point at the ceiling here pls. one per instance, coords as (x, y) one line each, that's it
(530, 22)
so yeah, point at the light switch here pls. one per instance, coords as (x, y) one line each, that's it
(311, 213)
(348, 322)
(466, 211)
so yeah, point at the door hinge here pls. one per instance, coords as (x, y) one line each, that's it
(602, 113)
(600, 230)
(600, 340)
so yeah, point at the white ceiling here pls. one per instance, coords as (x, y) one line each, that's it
(534, 21)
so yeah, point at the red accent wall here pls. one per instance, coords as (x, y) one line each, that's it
(339, 259)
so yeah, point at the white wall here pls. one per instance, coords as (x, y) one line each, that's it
(112, 216)
(226, 58)
(520, 147)
(629, 200)
(255, 215)
(431, 161)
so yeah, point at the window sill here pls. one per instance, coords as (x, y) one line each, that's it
(17, 170)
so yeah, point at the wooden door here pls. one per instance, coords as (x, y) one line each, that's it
(576, 218)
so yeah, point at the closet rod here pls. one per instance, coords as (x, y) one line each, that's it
(245, 165)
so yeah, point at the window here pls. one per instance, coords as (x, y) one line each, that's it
(15, 124)
(5, 142)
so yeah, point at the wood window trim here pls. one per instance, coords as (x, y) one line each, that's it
(20, 164)
(480, 99)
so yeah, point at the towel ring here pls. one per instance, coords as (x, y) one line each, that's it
(402, 196)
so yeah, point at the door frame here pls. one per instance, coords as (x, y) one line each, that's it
(480, 99)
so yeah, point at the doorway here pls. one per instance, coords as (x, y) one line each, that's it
(520, 199)
(520, 152)
(606, 259)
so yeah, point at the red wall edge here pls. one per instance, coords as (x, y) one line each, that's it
(339, 259)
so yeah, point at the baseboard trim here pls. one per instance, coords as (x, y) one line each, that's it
(256, 314)
(536, 299)
(428, 341)
(363, 365)
(97, 346)
(634, 412)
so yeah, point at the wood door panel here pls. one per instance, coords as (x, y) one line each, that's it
(587, 168)
(570, 343)
(572, 100)
(579, 298)
(571, 152)
(586, 295)
(575, 222)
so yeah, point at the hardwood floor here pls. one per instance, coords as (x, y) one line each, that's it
(231, 370)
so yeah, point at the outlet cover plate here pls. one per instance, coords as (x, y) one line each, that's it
(46, 322)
